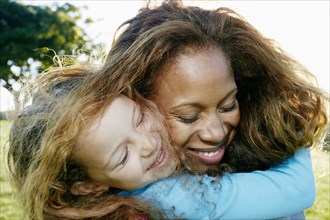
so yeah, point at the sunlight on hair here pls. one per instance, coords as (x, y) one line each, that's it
(79, 57)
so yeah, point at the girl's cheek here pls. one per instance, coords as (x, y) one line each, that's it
(152, 123)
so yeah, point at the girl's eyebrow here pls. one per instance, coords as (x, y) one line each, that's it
(134, 112)
(198, 105)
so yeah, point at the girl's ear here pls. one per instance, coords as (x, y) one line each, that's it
(88, 188)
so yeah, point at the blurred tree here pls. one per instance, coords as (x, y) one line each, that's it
(25, 32)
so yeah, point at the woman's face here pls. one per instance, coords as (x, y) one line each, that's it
(197, 93)
(125, 147)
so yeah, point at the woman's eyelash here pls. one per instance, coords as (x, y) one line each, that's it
(187, 120)
(230, 108)
(123, 161)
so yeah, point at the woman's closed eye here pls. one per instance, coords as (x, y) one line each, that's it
(229, 108)
(123, 159)
(188, 119)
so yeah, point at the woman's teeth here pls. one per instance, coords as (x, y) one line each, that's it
(209, 154)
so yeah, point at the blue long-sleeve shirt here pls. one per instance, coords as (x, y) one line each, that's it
(281, 191)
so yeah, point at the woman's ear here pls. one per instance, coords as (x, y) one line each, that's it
(88, 188)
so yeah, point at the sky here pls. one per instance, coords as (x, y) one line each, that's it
(300, 27)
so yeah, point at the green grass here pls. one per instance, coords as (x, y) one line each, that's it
(321, 164)
(9, 209)
(8, 206)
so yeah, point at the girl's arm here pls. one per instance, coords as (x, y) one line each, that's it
(281, 191)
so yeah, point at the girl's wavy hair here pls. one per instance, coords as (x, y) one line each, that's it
(281, 109)
(41, 150)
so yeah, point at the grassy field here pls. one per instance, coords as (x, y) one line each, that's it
(8, 207)
(320, 211)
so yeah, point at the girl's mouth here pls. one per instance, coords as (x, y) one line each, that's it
(160, 160)
(209, 157)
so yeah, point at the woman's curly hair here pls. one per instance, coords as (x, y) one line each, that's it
(281, 109)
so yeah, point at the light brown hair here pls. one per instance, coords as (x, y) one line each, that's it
(41, 154)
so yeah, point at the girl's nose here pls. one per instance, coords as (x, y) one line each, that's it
(147, 145)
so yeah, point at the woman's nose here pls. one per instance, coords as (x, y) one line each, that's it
(213, 130)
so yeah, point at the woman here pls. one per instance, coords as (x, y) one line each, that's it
(187, 55)
(280, 109)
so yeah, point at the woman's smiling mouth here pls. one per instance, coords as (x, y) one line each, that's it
(209, 157)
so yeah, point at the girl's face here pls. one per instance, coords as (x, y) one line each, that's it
(125, 147)
(197, 93)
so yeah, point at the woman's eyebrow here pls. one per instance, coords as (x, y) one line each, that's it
(198, 105)
(188, 104)
(229, 94)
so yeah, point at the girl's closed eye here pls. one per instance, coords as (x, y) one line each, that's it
(124, 158)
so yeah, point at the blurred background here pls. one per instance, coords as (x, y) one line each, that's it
(33, 31)
(34, 34)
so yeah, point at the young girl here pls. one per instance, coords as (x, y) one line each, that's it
(69, 149)
(65, 150)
